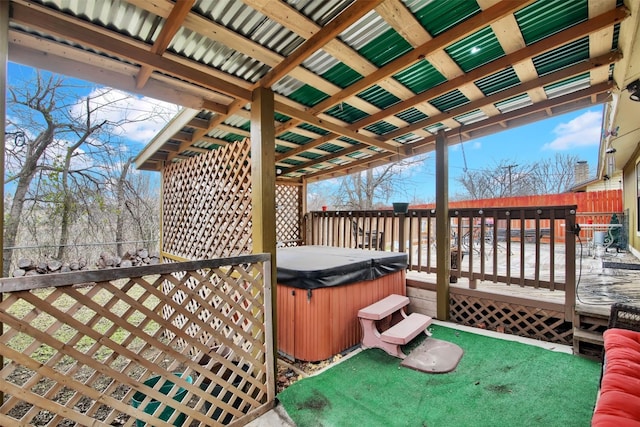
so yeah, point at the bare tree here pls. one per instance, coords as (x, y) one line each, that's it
(508, 178)
(60, 159)
(34, 107)
(365, 190)
(555, 175)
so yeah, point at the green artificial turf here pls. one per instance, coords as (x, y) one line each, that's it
(497, 383)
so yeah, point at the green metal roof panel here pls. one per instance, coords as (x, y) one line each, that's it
(314, 129)
(308, 96)
(280, 118)
(349, 140)
(544, 18)
(478, 49)
(514, 103)
(411, 115)
(616, 35)
(571, 84)
(232, 137)
(420, 76)
(294, 137)
(342, 75)
(379, 97)
(407, 138)
(437, 16)
(346, 113)
(561, 57)
(385, 48)
(330, 148)
(309, 155)
(380, 128)
(501, 80)
(435, 128)
(449, 100)
(292, 162)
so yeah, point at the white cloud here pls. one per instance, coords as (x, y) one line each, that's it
(140, 118)
(583, 131)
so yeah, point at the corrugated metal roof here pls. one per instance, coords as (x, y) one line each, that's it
(544, 18)
(381, 128)
(437, 16)
(499, 81)
(478, 49)
(412, 115)
(450, 100)
(514, 103)
(385, 48)
(367, 43)
(420, 77)
(346, 113)
(379, 97)
(562, 57)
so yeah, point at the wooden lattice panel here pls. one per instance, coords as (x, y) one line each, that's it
(206, 209)
(512, 318)
(82, 353)
(288, 214)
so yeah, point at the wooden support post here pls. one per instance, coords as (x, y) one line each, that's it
(4, 58)
(443, 240)
(263, 197)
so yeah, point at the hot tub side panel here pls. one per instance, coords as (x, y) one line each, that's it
(316, 327)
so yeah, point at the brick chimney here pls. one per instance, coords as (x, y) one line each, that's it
(581, 172)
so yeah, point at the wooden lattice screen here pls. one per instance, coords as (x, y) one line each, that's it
(289, 214)
(522, 319)
(206, 210)
(85, 348)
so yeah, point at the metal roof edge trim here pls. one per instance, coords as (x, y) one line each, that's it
(169, 130)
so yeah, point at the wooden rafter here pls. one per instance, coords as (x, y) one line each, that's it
(523, 55)
(343, 21)
(580, 99)
(72, 29)
(169, 29)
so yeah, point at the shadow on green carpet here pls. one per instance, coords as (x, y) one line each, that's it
(497, 383)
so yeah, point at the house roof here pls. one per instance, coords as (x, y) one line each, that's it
(356, 83)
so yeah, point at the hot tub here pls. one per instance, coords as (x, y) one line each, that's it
(320, 290)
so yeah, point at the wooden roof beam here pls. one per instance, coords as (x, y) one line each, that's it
(61, 25)
(438, 43)
(492, 125)
(169, 29)
(331, 127)
(557, 76)
(525, 54)
(331, 30)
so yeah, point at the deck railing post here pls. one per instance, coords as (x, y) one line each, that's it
(570, 265)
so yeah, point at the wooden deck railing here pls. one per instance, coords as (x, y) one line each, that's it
(519, 245)
(96, 348)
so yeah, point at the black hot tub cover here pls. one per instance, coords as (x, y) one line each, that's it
(312, 267)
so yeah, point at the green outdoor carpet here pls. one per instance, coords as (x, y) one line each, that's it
(497, 383)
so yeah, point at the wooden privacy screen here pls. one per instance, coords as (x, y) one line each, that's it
(86, 347)
(206, 205)
(289, 206)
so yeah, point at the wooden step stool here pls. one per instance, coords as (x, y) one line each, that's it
(399, 334)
